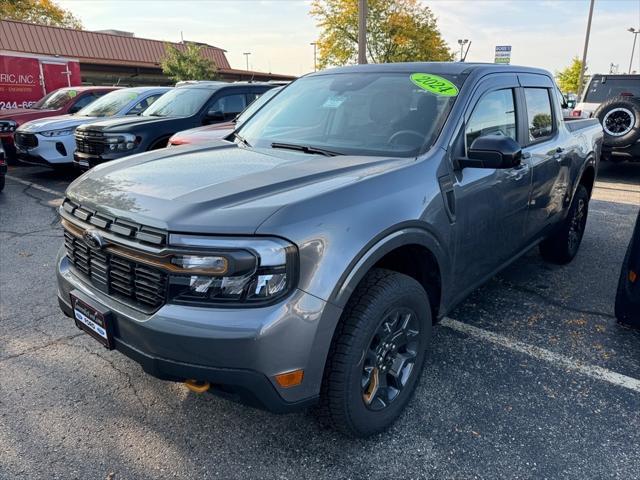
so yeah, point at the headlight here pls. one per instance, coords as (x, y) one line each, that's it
(121, 142)
(8, 126)
(231, 271)
(57, 133)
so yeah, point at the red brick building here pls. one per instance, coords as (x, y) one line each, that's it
(111, 58)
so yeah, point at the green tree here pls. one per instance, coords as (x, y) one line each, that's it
(569, 77)
(187, 63)
(43, 12)
(397, 31)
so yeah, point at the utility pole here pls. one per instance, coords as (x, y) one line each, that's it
(633, 50)
(586, 47)
(246, 55)
(362, 31)
(315, 62)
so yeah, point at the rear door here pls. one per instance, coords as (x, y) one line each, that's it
(550, 161)
(490, 204)
(56, 75)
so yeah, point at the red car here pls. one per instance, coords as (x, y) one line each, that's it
(59, 102)
(217, 131)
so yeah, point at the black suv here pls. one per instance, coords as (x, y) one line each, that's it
(189, 105)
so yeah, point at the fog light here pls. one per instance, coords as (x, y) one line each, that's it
(290, 379)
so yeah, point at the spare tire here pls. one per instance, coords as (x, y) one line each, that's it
(620, 119)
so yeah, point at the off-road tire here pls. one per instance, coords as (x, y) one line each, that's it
(620, 119)
(342, 405)
(562, 246)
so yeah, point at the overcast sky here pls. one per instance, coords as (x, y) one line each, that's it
(544, 33)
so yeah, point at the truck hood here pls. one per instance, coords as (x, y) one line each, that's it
(219, 188)
(128, 124)
(57, 122)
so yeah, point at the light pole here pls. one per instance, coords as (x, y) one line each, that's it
(246, 55)
(462, 43)
(362, 31)
(633, 49)
(586, 47)
(315, 63)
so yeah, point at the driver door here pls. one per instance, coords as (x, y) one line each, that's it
(491, 204)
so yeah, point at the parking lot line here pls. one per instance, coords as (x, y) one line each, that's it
(36, 186)
(555, 359)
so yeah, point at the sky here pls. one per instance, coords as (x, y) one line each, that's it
(278, 33)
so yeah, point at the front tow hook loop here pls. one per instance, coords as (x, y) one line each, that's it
(197, 386)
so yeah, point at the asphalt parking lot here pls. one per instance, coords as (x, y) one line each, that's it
(531, 377)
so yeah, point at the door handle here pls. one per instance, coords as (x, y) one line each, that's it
(558, 153)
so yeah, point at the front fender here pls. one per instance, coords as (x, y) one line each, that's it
(386, 242)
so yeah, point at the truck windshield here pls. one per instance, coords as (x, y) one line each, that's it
(256, 105)
(109, 104)
(602, 88)
(55, 100)
(360, 113)
(180, 102)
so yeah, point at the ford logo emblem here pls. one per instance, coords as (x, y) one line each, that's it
(93, 239)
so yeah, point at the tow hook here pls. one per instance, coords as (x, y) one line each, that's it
(197, 386)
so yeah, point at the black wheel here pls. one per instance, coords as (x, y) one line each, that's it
(377, 354)
(624, 308)
(1, 183)
(620, 119)
(563, 245)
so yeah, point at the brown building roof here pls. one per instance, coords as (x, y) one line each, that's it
(92, 47)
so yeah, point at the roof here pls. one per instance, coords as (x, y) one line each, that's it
(92, 47)
(446, 68)
(85, 88)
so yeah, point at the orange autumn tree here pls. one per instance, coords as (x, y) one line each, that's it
(42, 12)
(397, 31)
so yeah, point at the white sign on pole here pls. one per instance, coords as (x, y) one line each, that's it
(503, 54)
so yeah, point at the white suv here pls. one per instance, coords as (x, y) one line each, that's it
(50, 141)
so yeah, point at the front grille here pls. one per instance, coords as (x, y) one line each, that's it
(133, 282)
(89, 141)
(25, 140)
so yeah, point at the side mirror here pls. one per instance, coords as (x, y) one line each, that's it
(492, 151)
(565, 102)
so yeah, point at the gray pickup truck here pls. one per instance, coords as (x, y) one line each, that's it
(304, 260)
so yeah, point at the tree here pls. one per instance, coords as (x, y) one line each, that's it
(569, 77)
(397, 31)
(43, 12)
(187, 63)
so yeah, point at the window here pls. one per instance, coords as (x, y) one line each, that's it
(494, 114)
(230, 105)
(603, 88)
(539, 113)
(179, 102)
(84, 101)
(363, 113)
(252, 96)
(143, 104)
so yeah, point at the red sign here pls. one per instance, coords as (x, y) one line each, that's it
(25, 80)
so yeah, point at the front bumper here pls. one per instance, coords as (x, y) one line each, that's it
(50, 151)
(239, 351)
(630, 153)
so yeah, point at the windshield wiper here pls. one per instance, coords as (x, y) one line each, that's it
(305, 149)
(241, 139)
